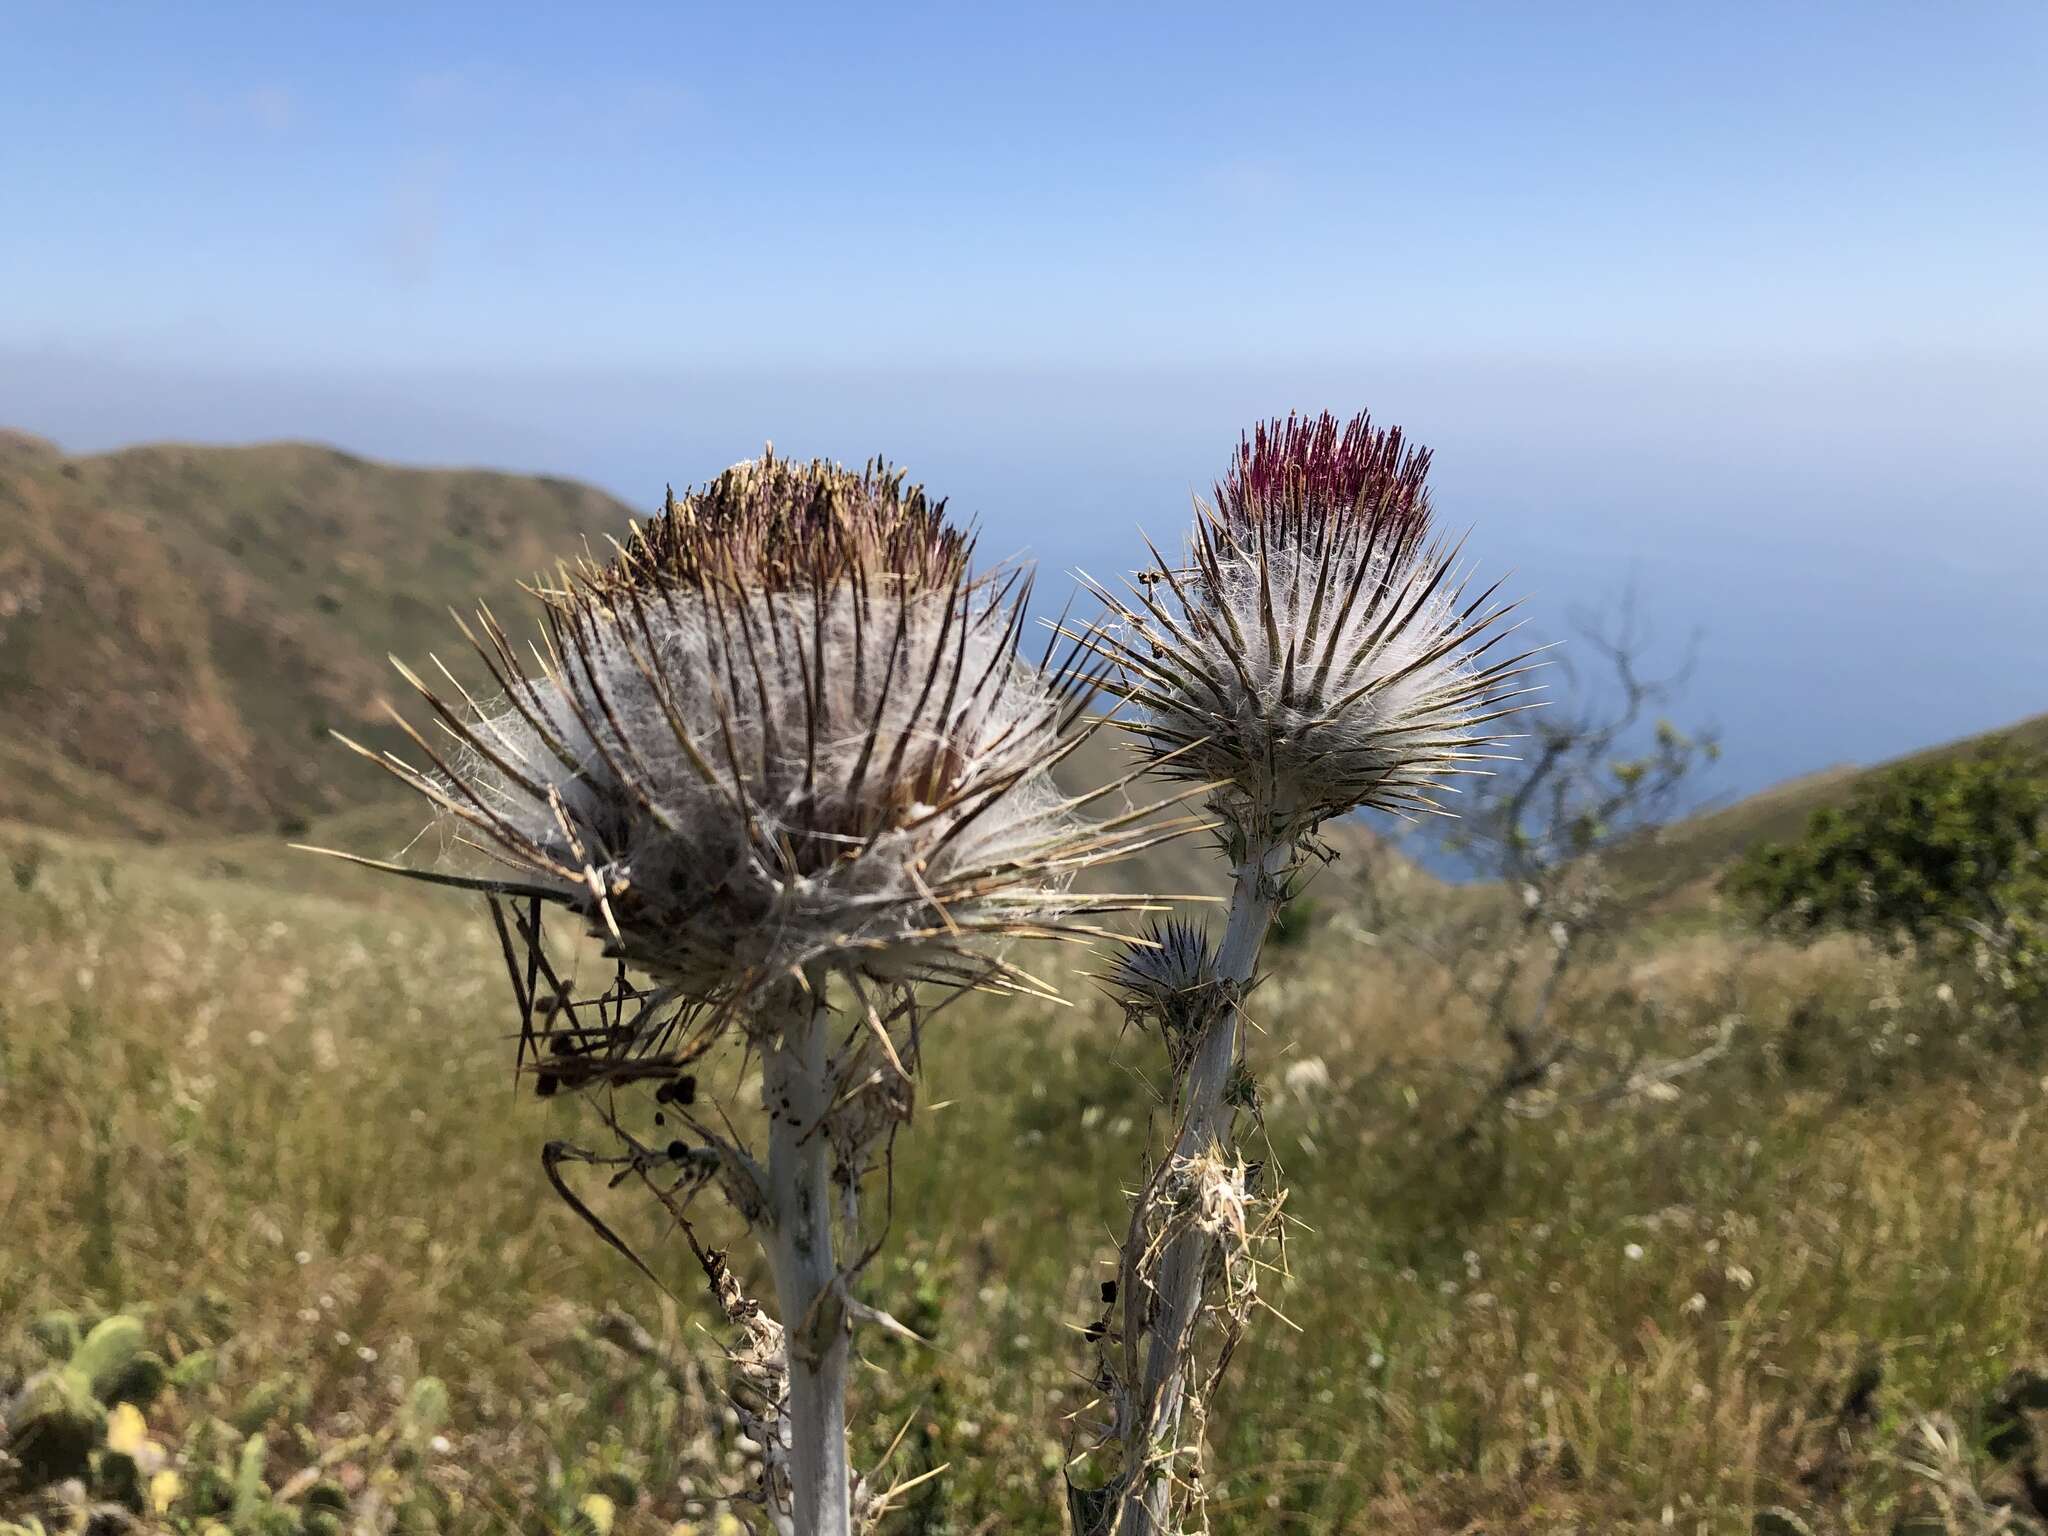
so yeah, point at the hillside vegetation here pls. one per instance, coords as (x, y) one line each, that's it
(280, 1128)
(180, 627)
(1692, 851)
(263, 1105)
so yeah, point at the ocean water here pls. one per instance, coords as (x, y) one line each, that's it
(1853, 551)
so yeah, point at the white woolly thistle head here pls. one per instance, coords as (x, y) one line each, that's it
(784, 732)
(1318, 650)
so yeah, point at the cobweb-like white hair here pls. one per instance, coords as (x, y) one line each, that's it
(1317, 652)
(785, 731)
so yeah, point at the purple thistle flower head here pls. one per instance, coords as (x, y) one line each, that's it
(1318, 650)
(1306, 473)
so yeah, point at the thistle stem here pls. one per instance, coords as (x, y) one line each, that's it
(796, 1088)
(1205, 1122)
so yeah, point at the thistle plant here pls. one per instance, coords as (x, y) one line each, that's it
(782, 759)
(1319, 651)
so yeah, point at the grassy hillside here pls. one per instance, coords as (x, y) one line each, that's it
(279, 1125)
(1694, 850)
(180, 627)
(264, 1104)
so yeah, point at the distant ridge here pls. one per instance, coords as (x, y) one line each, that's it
(181, 626)
(27, 445)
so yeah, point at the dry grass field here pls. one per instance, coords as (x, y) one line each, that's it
(278, 1125)
(263, 1106)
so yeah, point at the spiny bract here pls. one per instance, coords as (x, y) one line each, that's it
(1168, 961)
(1166, 977)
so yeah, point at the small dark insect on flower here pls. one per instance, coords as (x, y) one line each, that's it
(1318, 652)
(682, 1091)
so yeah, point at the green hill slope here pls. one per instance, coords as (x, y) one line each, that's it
(180, 627)
(1700, 847)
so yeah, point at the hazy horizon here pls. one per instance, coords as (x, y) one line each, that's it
(1855, 546)
(1737, 304)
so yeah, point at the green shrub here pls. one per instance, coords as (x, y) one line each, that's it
(1292, 924)
(1942, 858)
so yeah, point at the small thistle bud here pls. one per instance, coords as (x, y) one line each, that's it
(1171, 959)
(1164, 977)
(1320, 653)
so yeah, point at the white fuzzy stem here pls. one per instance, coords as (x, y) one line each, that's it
(1206, 1122)
(796, 1088)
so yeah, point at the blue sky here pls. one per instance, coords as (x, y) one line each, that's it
(664, 184)
(1742, 303)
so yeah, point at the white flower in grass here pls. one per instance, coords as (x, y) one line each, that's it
(1307, 1078)
(1317, 651)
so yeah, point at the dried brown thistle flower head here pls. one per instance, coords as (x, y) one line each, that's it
(774, 525)
(1318, 652)
(783, 732)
